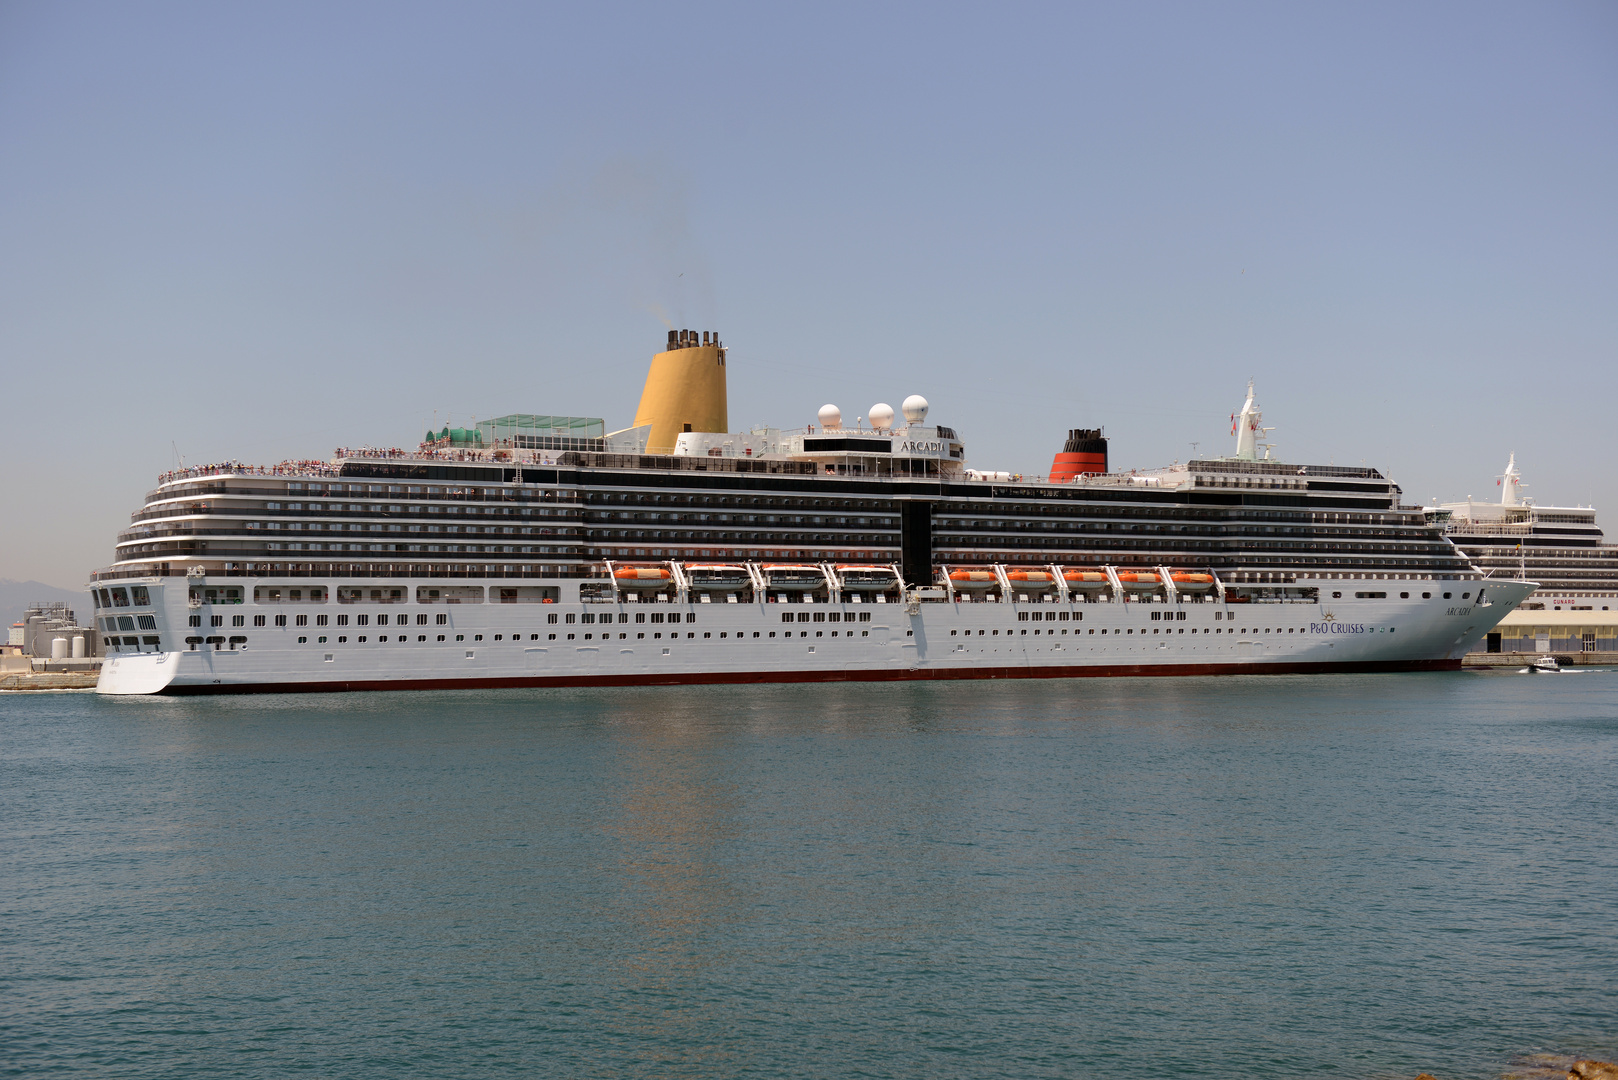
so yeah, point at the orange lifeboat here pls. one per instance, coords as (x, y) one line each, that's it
(1031, 580)
(648, 578)
(1188, 582)
(1086, 580)
(1139, 580)
(972, 580)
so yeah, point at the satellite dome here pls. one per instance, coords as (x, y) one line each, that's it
(881, 417)
(831, 417)
(915, 408)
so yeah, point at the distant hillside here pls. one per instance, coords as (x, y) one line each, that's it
(15, 596)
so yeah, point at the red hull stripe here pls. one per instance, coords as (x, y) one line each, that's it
(900, 675)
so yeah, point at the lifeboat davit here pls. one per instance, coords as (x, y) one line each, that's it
(1139, 580)
(1086, 580)
(972, 580)
(717, 577)
(1191, 583)
(793, 577)
(1030, 580)
(648, 578)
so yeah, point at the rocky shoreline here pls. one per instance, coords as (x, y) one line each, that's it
(49, 680)
(1553, 1067)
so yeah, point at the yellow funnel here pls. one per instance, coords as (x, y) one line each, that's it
(685, 390)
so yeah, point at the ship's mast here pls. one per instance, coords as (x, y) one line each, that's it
(1246, 427)
(1510, 481)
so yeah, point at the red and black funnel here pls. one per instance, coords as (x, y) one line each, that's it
(1084, 452)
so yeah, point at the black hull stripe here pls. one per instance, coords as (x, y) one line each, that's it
(878, 675)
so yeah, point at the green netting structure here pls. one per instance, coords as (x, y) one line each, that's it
(567, 427)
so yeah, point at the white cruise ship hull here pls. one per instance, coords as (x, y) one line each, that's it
(517, 645)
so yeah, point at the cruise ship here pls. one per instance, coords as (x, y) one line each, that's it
(541, 550)
(1560, 547)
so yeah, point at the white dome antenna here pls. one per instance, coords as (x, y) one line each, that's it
(831, 417)
(881, 417)
(915, 408)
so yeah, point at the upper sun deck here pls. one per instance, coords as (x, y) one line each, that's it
(509, 465)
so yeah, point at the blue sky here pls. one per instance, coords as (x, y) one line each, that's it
(261, 232)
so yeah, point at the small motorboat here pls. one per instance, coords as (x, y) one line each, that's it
(1544, 664)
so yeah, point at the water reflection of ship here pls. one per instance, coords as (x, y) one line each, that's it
(674, 810)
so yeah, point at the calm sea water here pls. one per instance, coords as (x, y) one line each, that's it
(1357, 876)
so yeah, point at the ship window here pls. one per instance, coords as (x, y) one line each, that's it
(690, 616)
(1404, 596)
(1334, 596)
(421, 619)
(571, 617)
(120, 597)
(1370, 596)
(640, 617)
(1466, 596)
(280, 620)
(657, 617)
(588, 617)
(1446, 596)
(320, 620)
(1426, 596)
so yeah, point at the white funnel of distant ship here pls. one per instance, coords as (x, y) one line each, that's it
(1510, 481)
(1245, 426)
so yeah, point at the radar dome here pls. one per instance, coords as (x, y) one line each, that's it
(831, 417)
(915, 408)
(881, 417)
